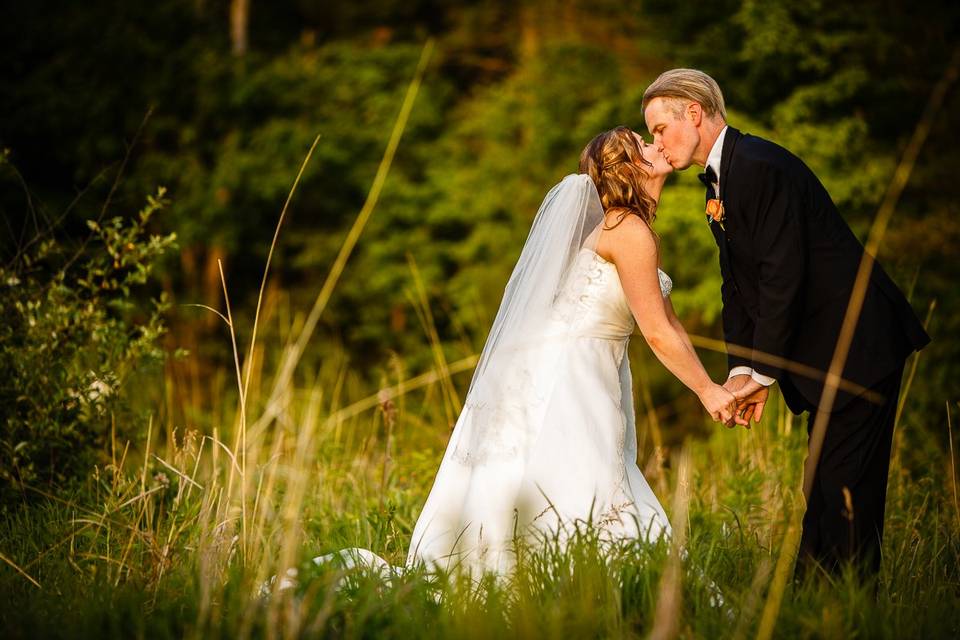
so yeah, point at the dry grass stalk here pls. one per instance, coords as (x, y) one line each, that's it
(295, 352)
(953, 468)
(900, 178)
(20, 571)
(666, 621)
(654, 469)
(266, 266)
(400, 389)
(451, 399)
(789, 365)
(240, 445)
(749, 608)
(781, 576)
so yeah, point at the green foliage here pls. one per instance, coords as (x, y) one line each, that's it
(73, 333)
(511, 97)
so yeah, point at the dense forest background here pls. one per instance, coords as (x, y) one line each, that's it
(217, 102)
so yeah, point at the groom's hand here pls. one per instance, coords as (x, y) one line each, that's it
(733, 385)
(751, 398)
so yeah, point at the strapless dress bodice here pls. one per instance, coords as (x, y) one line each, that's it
(592, 302)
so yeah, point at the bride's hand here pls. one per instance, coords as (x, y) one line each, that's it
(719, 403)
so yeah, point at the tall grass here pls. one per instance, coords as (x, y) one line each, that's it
(153, 546)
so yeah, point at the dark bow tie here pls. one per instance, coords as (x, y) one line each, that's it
(708, 177)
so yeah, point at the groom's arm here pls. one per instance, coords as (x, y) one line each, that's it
(780, 246)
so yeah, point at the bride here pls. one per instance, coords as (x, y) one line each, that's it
(547, 436)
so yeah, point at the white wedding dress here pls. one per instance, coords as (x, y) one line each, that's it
(554, 446)
(546, 441)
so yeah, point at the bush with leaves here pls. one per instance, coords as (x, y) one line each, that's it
(72, 334)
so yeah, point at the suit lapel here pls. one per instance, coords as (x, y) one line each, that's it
(726, 158)
(723, 237)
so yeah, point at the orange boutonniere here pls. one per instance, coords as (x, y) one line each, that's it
(716, 211)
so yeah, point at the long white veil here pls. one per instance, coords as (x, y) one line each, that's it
(567, 222)
(501, 417)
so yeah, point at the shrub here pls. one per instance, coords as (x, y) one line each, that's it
(72, 333)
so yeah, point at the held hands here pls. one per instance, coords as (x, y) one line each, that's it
(720, 403)
(738, 401)
(751, 396)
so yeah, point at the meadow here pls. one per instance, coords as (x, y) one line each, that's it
(175, 540)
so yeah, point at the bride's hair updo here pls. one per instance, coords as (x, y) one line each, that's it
(614, 162)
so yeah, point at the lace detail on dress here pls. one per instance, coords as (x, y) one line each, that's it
(498, 429)
(575, 297)
(620, 490)
(666, 284)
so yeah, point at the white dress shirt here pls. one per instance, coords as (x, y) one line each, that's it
(714, 157)
(713, 161)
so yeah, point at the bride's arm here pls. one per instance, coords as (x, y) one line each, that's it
(676, 324)
(633, 249)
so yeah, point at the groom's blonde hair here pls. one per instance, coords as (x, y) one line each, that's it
(688, 84)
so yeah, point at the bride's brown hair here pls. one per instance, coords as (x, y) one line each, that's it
(614, 162)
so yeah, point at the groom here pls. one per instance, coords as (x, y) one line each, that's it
(788, 262)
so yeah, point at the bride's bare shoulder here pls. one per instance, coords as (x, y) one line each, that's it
(625, 238)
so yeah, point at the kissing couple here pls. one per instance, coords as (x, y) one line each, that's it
(547, 435)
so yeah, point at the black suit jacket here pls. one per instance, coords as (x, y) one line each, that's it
(789, 262)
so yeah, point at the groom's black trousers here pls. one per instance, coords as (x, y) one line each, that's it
(856, 457)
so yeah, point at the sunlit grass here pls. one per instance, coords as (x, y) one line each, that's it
(152, 546)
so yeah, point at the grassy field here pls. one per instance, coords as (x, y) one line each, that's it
(174, 540)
